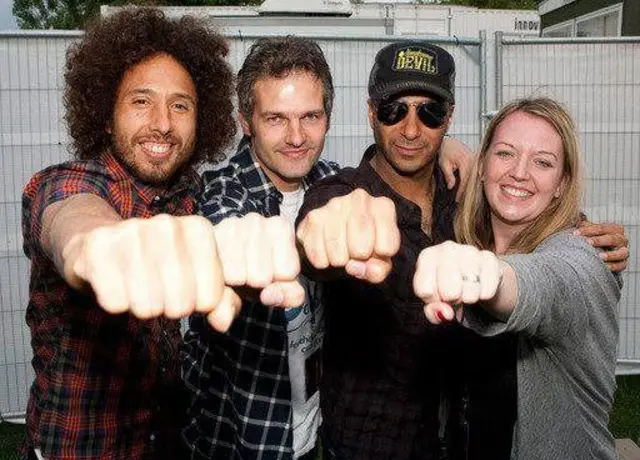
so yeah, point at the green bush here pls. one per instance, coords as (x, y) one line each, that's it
(625, 417)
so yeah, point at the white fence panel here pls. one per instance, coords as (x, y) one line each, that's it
(599, 82)
(31, 138)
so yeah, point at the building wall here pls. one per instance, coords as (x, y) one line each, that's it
(369, 19)
(577, 8)
(574, 9)
(631, 18)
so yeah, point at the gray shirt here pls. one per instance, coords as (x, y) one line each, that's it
(566, 317)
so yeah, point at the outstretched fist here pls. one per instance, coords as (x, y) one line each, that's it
(356, 232)
(260, 253)
(175, 266)
(451, 274)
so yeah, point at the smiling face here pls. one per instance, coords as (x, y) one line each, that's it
(154, 119)
(523, 171)
(287, 127)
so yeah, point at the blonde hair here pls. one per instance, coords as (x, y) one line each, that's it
(473, 219)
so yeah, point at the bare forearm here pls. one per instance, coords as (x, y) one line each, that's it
(66, 222)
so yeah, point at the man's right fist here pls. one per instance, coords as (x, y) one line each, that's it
(356, 232)
(175, 266)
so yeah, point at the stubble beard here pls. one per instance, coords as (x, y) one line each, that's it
(156, 174)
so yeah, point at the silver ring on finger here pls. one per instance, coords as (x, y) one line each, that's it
(471, 278)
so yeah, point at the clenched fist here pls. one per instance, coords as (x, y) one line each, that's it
(450, 274)
(260, 252)
(356, 232)
(175, 266)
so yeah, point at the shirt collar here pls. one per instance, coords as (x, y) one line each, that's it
(443, 205)
(188, 181)
(256, 180)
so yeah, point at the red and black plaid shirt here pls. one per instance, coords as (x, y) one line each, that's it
(106, 386)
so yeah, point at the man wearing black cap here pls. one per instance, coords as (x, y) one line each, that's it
(393, 387)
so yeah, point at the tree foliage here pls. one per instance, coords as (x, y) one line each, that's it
(74, 14)
(496, 4)
(54, 14)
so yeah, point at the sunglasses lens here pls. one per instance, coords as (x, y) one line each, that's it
(432, 114)
(391, 113)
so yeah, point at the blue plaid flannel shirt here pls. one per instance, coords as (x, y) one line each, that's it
(240, 404)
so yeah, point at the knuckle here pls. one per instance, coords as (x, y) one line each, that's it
(278, 225)
(197, 223)
(360, 194)
(226, 227)
(335, 204)
(383, 206)
(314, 218)
(162, 220)
(487, 255)
(448, 246)
(251, 221)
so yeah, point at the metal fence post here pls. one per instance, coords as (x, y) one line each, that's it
(483, 80)
(498, 45)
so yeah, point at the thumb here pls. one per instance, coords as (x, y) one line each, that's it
(225, 312)
(285, 294)
(449, 177)
(374, 270)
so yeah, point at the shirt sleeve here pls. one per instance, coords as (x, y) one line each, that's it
(558, 284)
(324, 190)
(55, 184)
(223, 196)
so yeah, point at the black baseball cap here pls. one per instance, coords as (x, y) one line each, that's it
(409, 66)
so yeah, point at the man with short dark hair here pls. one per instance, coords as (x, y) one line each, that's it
(254, 389)
(384, 366)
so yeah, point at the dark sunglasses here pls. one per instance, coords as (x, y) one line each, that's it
(432, 114)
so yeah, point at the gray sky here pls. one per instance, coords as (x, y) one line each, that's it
(7, 21)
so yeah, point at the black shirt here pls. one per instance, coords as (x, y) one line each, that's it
(387, 371)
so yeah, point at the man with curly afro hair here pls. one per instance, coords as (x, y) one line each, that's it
(117, 256)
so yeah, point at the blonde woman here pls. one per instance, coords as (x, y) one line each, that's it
(522, 270)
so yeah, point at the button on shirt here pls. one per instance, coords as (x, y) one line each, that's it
(99, 378)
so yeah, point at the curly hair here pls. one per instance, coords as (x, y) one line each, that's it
(96, 65)
(278, 57)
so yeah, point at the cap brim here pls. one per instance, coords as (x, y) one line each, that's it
(419, 86)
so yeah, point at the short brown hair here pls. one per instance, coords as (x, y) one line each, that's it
(278, 57)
